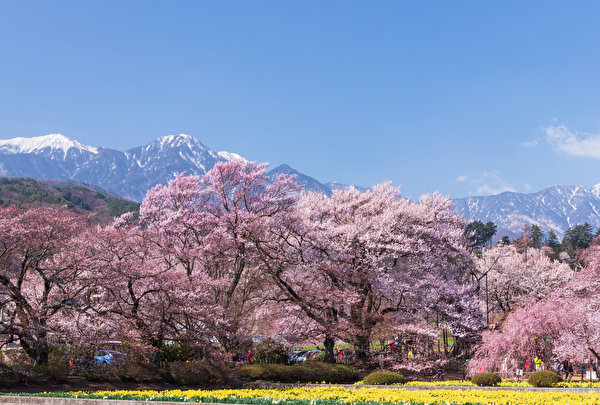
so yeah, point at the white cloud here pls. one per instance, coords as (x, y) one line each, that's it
(564, 140)
(531, 144)
(490, 183)
(461, 179)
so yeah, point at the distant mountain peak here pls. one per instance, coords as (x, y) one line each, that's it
(38, 144)
(309, 183)
(178, 137)
(129, 173)
(555, 208)
(176, 141)
(230, 156)
(596, 190)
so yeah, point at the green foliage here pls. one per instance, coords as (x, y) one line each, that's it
(544, 378)
(384, 378)
(138, 372)
(578, 237)
(132, 370)
(58, 364)
(486, 379)
(536, 236)
(553, 243)
(269, 352)
(194, 373)
(311, 371)
(91, 376)
(480, 234)
(119, 207)
(25, 192)
(179, 352)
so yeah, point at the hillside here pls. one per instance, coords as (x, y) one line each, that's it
(28, 193)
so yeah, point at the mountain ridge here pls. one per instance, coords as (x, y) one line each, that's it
(128, 173)
(555, 208)
(131, 173)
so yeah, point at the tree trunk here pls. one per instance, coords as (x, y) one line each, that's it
(362, 347)
(41, 353)
(329, 344)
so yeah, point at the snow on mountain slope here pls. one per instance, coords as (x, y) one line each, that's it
(339, 186)
(129, 174)
(229, 156)
(556, 208)
(39, 144)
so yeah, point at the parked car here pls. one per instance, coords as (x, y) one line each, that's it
(302, 355)
(295, 354)
(109, 357)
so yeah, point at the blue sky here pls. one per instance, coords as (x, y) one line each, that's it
(467, 98)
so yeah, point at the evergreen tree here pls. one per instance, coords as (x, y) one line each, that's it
(536, 236)
(480, 234)
(552, 242)
(576, 238)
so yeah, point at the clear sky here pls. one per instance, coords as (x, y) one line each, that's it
(467, 98)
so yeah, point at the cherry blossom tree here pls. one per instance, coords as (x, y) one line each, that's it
(561, 325)
(40, 280)
(212, 226)
(528, 331)
(142, 293)
(581, 335)
(356, 260)
(507, 276)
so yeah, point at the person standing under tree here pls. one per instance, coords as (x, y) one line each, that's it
(565, 368)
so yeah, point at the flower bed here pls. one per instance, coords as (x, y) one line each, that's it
(340, 395)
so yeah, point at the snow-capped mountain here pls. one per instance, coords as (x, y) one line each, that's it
(130, 173)
(53, 143)
(556, 208)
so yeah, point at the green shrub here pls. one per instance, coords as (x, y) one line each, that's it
(544, 378)
(138, 372)
(193, 373)
(90, 376)
(57, 366)
(130, 371)
(486, 379)
(384, 378)
(179, 352)
(312, 371)
(269, 352)
(318, 357)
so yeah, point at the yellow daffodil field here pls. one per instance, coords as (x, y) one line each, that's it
(354, 396)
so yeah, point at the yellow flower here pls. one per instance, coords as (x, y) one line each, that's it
(375, 396)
